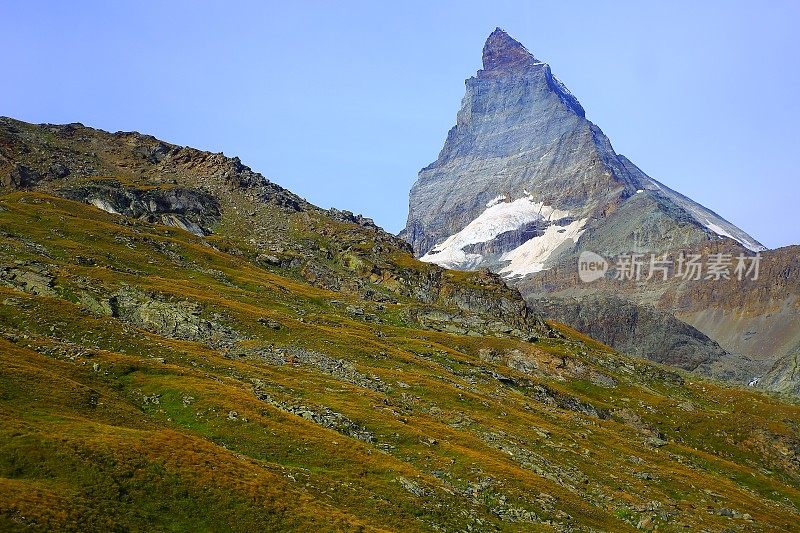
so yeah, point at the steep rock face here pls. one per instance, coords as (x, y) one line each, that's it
(521, 138)
(525, 183)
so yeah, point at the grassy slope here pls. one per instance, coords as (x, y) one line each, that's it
(83, 445)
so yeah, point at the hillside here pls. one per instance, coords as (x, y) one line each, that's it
(187, 346)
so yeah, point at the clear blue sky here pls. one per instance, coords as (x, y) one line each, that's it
(344, 102)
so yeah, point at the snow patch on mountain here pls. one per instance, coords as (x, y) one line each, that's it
(499, 217)
(455, 258)
(532, 255)
(751, 245)
(496, 200)
(718, 230)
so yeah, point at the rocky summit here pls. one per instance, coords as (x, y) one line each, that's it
(525, 183)
(523, 175)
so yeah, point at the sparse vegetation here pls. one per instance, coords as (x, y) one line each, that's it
(153, 379)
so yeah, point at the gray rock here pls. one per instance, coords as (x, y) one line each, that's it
(637, 330)
(412, 487)
(520, 132)
(31, 277)
(189, 209)
(171, 318)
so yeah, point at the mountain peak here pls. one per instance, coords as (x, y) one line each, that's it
(502, 52)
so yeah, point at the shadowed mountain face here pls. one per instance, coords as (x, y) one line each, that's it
(525, 183)
(188, 346)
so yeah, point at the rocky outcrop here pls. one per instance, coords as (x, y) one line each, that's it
(181, 319)
(486, 296)
(321, 415)
(189, 209)
(337, 368)
(472, 324)
(31, 277)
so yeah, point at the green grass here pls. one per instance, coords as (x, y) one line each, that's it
(81, 449)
